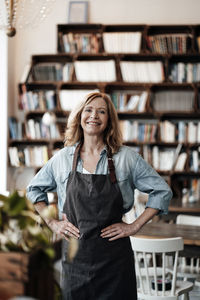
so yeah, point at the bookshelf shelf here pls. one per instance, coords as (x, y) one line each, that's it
(170, 105)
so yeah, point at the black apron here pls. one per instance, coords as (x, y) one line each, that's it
(101, 269)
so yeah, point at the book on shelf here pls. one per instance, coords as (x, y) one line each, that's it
(192, 132)
(36, 129)
(35, 156)
(147, 154)
(164, 101)
(144, 72)
(79, 42)
(167, 131)
(16, 128)
(47, 71)
(182, 131)
(129, 130)
(173, 43)
(185, 72)
(69, 99)
(95, 71)
(130, 101)
(122, 42)
(176, 154)
(195, 160)
(13, 156)
(167, 159)
(181, 161)
(155, 158)
(38, 100)
(137, 131)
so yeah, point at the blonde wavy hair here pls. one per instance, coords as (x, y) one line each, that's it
(112, 133)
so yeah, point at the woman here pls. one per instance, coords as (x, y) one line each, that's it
(95, 177)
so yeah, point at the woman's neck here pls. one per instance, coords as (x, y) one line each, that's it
(92, 145)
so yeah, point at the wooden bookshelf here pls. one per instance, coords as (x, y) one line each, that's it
(163, 68)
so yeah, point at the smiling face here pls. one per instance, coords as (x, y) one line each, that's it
(94, 117)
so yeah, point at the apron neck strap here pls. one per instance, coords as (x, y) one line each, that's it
(111, 166)
(75, 160)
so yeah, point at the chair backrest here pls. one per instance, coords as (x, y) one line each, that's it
(191, 265)
(188, 220)
(146, 273)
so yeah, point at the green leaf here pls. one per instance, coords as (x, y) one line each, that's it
(16, 204)
(50, 252)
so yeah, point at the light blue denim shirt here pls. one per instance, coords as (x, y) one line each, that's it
(132, 173)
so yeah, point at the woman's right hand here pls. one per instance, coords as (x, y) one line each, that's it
(64, 228)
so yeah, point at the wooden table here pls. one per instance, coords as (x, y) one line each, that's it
(190, 234)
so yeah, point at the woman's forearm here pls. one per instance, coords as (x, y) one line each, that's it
(40, 207)
(146, 216)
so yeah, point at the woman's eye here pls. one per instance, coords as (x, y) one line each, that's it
(102, 111)
(88, 109)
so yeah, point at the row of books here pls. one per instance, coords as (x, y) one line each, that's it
(122, 42)
(145, 72)
(69, 99)
(35, 156)
(130, 100)
(185, 72)
(169, 43)
(191, 193)
(182, 132)
(38, 100)
(100, 71)
(46, 71)
(165, 101)
(113, 42)
(134, 131)
(161, 101)
(36, 129)
(165, 159)
(16, 128)
(79, 42)
(95, 70)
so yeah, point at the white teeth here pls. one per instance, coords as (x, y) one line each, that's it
(93, 123)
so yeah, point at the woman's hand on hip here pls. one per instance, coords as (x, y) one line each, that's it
(120, 230)
(117, 231)
(64, 228)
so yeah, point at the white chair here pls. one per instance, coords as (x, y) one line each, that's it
(189, 268)
(157, 271)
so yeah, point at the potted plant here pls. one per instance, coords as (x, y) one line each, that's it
(26, 250)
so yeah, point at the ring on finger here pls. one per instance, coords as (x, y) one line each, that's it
(66, 232)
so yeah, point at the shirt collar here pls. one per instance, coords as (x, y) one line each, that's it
(73, 148)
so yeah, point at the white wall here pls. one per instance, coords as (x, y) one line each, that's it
(3, 110)
(43, 38)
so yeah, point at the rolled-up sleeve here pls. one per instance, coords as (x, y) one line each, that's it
(147, 180)
(42, 183)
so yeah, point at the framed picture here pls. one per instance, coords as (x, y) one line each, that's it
(78, 12)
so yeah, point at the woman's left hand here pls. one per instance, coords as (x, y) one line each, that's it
(121, 230)
(117, 231)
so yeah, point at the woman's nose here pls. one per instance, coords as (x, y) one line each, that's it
(94, 114)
